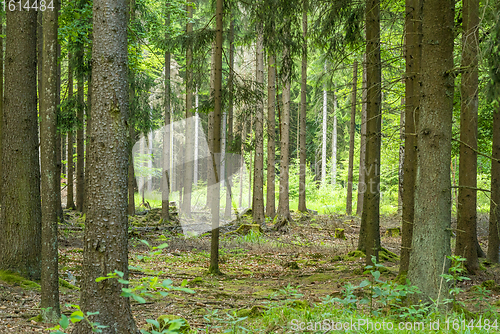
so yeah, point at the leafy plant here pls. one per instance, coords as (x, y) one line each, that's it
(75, 317)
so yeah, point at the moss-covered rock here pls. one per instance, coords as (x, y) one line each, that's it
(17, 280)
(255, 311)
(244, 229)
(385, 255)
(354, 255)
(195, 281)
(67, 285)
(165, 321)
(393, 232)
(336, 258)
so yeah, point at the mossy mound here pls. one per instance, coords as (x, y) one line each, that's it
(387, 256)
(244, 229)
(340, 234)
(255, 311)
(195, 281)
(393, 232)
(336, 258)
(67, 285)
(17, 280)
(166, 320)
(354, 255)
(299, 304)
(292, 265)
(489, 284)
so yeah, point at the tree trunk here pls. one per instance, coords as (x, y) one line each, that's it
(412, 109)
(431, 229)
(467, 174)
(325, 126)
(80, 184)
(131, 185)
(302, 207)
(2, 31)
(49, 178)
(165, 200)
(105, 238)
(371, 202)
(20, 198)
(70, 203)
(284, 203)
(59, 139)
(352, 131)
(362, 148)
(493, 234)
(216, 138)
(229, 163)
(258, 183)
(271, 138)
(334, 141)
(188, 163)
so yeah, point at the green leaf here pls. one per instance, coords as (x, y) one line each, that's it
(376, 274)
(122, 281)
(364, 283)
(164, 245)
(139, 298)
(64, 322)
(145, 242)
(153, 322)
(98, 279)
(119, 273)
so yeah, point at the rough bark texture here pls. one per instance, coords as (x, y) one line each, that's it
(189, 165)
(431, 229)
(229, 166)
(334, 141)
(352, 130)
(271, 139)
(105, 239)
(20, 218)
(70, 202)
(80, 180)
(302, 117)
(362, 147)
(2, 31)
(467, 174)
(49, 178)
(493, 234)
(324, 132)
(216, 139)
(284, 203)
(165, 200)
(131, 182)
(371, 202)
(258, 183)
(412, 108)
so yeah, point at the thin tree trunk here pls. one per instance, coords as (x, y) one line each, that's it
(362, 148)
(325, 126)
(131, 172)
(70, 203)
(2, 31)
(49, 178)
(59, 140)
(371, 203)
(105, 239)
(20, 196)
(467, 174)
(216, 138)
(258, 184)
(271, 138)
(401, 157)
(432, 220)
(412, 110)
(302, 207)
(196, 138)
(229, 163)
(189, 164)
(352, 131)
(165, 200)
(80, 178)
(494, 226)
(334, 141)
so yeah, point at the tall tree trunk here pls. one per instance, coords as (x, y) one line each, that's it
(258, 183)
(216, 137)
(334, 141)
(242, 160)
(467, 174)
(80, 178)
(49, 178)
(371, 202)
(229, 163)
(401, 157)
(105, 237)
(131, 182)
(325, 126)
(165, 200)
(2, 31)
(284, 203)
(70, 203)
(59, 139)
(494, 226)
(352, 131)
(431, 229)
(303, 114)
(250, 168)
(189, 163)
(271, 138)
(362, 148)
(412, 110)
(20, 216)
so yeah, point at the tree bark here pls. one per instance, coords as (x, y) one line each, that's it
(80, 179)
(431, 229)
(258, 183)
(412, 109)
(302, 118)
(334, 141)
(371, 202)
(20, 216)
(189, 164)
(216, 139)
(352, 131)
(106, 237)
(165, 201)
(467, 174)
(362, 148)
(49, 178)
(229, 164)
(2, 31)
(271, 138)
(324, 132)
(494, 226)
(70, 203)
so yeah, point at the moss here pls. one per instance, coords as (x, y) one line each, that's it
(37, 318)
(255, 311)
(17, 280)
(491, 285)
(387, 256)
(196, 281)
(336, 258)
(164, 321)
(67, 285)
(357, 271)
(393, 232)
(354, 255)
(299, 304)
(340, 233)
(244, 229)
(292, 265)
(465, 312)
(320, 277)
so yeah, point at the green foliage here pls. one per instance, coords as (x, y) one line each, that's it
(75, 317)
(15, 279)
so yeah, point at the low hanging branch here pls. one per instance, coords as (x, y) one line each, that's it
(475, 150)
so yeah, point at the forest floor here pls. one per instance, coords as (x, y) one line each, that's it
(297, 269)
